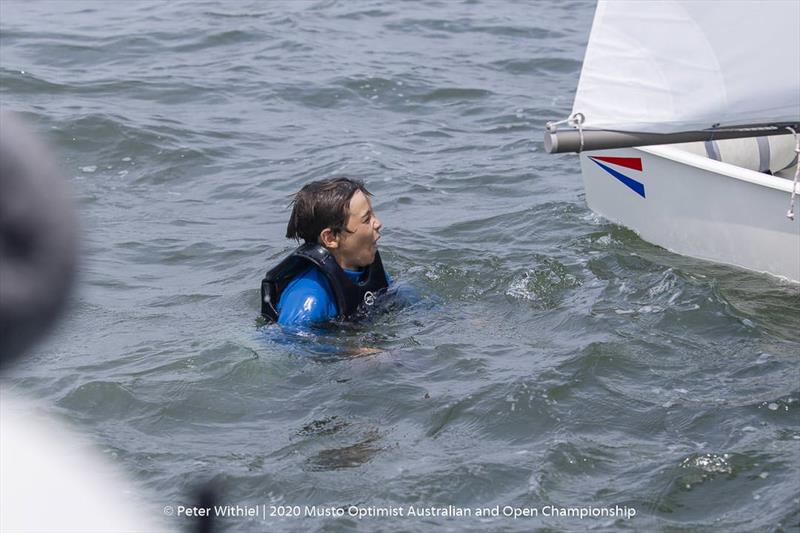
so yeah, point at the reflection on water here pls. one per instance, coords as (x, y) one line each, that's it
(346, 456)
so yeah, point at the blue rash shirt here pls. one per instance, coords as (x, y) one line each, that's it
(309, 299)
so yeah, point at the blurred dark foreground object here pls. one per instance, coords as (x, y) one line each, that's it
(51, 478)
(38, 239)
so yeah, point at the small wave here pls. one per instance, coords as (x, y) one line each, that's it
(709, 463)
(448, 94)
(220, 39)
(543, 285)
(365, 14)
(25, 82)
(465, 25)
(451, 281)
(102, 400)
(537, 65)
(780, 405)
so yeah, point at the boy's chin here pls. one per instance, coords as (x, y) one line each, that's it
(369, 259)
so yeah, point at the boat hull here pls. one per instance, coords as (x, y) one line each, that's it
(695, 206)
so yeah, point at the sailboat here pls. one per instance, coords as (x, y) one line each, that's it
(686, 119)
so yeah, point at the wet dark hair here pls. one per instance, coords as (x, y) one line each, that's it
(322, 204)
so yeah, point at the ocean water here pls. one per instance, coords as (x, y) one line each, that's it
(552, 358)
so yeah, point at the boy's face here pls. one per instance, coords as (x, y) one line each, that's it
(356, 246)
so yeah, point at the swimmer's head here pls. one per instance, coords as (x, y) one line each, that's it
(337, 214)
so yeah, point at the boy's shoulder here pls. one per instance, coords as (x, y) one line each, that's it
(310, 278)
(307, 298)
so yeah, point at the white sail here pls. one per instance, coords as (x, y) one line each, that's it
(671, 66)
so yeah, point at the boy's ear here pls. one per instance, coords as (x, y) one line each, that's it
(328, 239)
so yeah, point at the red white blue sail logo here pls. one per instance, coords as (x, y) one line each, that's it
(633, 163)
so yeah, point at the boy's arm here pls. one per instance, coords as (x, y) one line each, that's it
(304, 302)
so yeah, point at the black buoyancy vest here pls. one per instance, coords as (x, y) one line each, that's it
(349, 295)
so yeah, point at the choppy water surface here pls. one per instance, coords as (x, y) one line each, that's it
(554, 358)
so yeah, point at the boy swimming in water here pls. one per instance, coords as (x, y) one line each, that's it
(337, 272)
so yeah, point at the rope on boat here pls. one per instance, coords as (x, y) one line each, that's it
(790, 212)
(576, 121)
